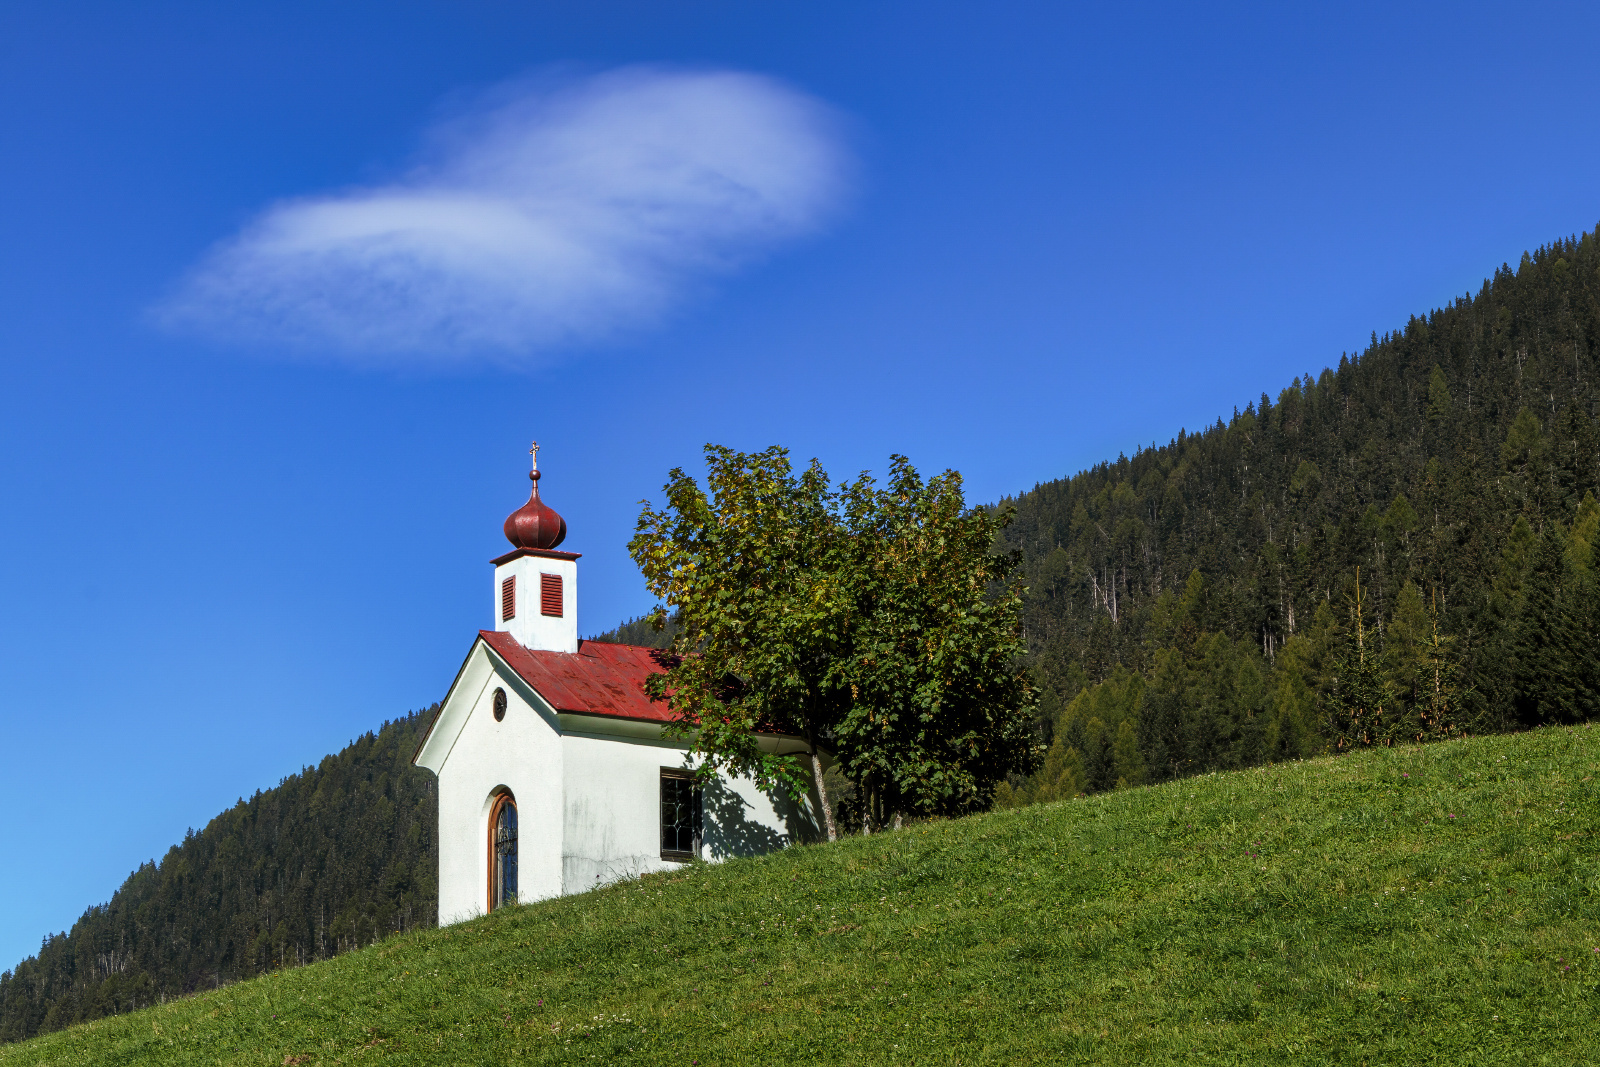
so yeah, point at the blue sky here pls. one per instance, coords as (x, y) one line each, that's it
(255, 459)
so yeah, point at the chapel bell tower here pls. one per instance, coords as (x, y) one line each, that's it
(536, 587)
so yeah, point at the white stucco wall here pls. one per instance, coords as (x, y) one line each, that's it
(587, 789)
(530, 627)
(613, 806)
(521, 754)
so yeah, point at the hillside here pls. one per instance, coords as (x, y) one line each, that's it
(334, 857)
(1400, 905)
(1192, 607)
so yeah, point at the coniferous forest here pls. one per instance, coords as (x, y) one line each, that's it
(1396, 549)
(333, 858)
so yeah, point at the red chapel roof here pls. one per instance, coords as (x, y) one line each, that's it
(598, 679)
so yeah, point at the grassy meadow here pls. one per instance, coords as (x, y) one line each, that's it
(1436, 904)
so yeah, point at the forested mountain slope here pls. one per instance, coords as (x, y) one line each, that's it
(638, 631)
(335, 857)
(1194, 607)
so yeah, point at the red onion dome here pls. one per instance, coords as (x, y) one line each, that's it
(535, 524)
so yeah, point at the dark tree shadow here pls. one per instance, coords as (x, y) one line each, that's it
(728, 828)
(799, 819)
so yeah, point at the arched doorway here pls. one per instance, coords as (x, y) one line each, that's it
(502, 851)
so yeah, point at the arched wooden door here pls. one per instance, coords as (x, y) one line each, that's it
(503, 852)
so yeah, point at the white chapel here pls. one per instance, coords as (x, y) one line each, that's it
(554, 774)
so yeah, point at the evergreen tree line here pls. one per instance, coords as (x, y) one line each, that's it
(332, 859)
(1401, 548)
(642, 632)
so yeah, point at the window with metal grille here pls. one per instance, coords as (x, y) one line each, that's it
(550, 595)
(508, 598)
(680, 815)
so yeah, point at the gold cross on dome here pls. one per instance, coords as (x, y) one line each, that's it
(534, 452)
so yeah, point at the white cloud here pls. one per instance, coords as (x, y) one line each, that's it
(544, 216)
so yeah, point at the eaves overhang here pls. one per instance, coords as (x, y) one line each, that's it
(603, 676)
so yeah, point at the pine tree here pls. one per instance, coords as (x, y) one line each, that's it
(1126, 756)
(1555, 666)
(1583, 537)
(1439, 402)
(1405, 642)
(1437, 710)
(1362, 705)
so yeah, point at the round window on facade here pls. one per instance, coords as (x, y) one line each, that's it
(499, 704)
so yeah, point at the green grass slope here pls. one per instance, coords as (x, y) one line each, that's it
(1413, 905)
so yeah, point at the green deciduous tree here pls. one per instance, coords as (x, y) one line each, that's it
(878, 623)
(941, 707)
(752, 567)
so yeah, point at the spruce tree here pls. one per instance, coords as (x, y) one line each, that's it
(1554, 660)
(1362, 707)
(1437, 708)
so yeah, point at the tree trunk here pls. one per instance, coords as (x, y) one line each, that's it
(822, 795)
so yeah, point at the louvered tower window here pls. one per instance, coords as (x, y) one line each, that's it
(508, 599)
(550, 595)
